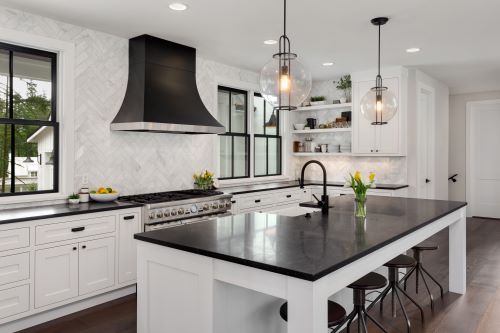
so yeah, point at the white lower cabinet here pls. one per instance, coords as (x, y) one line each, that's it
(96, 265)
(14, 301)
(56, 274)
(130, 224)
(14, 268)
(64, 272)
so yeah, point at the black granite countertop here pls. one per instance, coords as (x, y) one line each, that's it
(50, 211)
(306, 248)
(243, 189)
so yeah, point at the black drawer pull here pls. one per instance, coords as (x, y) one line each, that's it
(84, 247)
(257, 201)
(129, 217)
(233, 201)
(77, 229)
(288, 195)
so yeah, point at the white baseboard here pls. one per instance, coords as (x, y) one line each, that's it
(65, 310)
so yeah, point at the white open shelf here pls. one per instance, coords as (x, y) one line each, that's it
(326, 107)
(321, 130)
(322, 154)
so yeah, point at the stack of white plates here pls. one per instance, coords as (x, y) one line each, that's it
(345, 148)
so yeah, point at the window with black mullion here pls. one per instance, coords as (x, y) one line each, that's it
(234, 144)
(267, 139)
(28, 121)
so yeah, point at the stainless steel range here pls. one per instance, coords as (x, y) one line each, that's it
(172, 209)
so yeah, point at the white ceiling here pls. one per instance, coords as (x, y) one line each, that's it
(459, 38)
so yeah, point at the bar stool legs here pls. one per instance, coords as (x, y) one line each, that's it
(420, 272)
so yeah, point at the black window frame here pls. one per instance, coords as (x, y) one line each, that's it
(11, 49)
(267, 137)
(232, 135)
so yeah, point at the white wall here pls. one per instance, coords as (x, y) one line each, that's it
(458, 139)
(130, 162)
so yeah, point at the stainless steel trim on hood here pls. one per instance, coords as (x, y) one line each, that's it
(162, 95)
(166, 128)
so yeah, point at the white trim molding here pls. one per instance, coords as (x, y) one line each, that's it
(65, 108)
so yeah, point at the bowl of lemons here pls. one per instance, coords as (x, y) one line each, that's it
(104, 194)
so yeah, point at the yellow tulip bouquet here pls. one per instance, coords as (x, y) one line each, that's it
(204, 180)
(360, 188)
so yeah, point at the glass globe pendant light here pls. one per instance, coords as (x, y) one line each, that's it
(284, 81)
(379, 105)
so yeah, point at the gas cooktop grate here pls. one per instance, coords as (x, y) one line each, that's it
(169, 196)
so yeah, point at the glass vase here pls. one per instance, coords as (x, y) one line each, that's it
(360, 207)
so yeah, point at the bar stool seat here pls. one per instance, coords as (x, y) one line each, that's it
(370, 281)
(336, 313)
(401, 261)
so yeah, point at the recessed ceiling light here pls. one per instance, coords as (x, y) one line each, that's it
(178, 6)
(328, 64)
(413, 50)
(270, 42)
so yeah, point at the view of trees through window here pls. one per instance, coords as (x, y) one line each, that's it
(27, 121)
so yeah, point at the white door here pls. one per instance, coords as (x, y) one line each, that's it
(127, 249)
(56, 274)
(96, 265)
(483, 175)
(425, 142)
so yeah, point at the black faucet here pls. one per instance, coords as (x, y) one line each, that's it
(324, 202)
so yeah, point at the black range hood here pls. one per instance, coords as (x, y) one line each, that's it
(162, 95)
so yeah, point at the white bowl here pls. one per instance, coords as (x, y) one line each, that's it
(299, 126)
(104, 197)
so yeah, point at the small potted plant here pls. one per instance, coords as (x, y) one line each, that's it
(204, 180)
(345, 85)
(74, 199)
(318, 100)
(360, 188)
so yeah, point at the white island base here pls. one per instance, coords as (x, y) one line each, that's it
(178, 290)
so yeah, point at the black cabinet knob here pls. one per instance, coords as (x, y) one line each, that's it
(427, 180)
(84, 247)
(74, 248)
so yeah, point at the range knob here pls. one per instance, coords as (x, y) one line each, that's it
(166, 213)
(180, 211)
(228, 204)
(221, 205)
(159, 214)
(215, 205)
(194, 209)
(173, 212)
(206, 206)
(151, 215)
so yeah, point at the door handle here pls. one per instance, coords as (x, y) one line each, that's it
(427, 180)
(77, 229)
(257, 201)
(288, 195)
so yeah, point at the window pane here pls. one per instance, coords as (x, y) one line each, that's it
(240, 157)
(272, 126)
(238, 112)
(273, 156)
(258, 115)
(223, 108)
(225, 156)
(260, 156)
(34, 163)
(4, 79)
(32, 85)
(5, 132)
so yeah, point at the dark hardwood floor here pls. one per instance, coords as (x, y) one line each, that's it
(476, 312)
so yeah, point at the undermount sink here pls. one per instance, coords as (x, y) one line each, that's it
(295, 211)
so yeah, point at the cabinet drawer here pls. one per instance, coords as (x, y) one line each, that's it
(14, 301)
(75, 229)
(14, 268)
(255, 201)
(14, 239)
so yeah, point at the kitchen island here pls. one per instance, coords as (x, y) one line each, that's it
(302, 259)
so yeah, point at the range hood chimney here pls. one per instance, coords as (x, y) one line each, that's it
(161, 93)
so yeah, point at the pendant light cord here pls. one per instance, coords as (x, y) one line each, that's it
(379, 50)
(284, 18)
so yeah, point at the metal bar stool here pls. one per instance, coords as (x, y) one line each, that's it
(401, 261)
(370, 281)
(419, 270)
(336, 313)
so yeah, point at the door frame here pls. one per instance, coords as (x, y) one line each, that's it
(469, 151)
(431, 153)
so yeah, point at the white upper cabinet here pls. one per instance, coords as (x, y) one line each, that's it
(381, 140)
